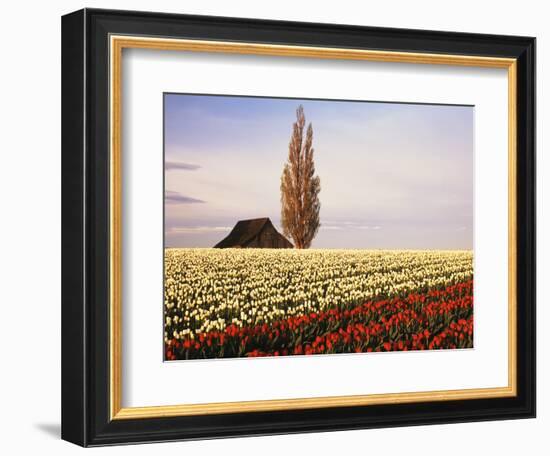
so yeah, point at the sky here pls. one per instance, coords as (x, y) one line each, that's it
(393, 175)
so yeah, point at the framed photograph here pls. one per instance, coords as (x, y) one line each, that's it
(279, 227)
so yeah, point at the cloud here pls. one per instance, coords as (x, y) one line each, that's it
(330, 227)
(349, 226)
(171, 165)
(198, 229)
(178, 198)
(369, 227)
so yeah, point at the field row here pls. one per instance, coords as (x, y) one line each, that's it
(210, 290)
(438, 319)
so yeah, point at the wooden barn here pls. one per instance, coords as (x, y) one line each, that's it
(255, 233)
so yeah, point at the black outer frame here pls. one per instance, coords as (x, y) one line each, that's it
(85, 227)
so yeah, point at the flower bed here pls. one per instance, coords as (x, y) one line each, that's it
(439, 318)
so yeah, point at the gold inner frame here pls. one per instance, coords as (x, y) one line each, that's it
(117, 44)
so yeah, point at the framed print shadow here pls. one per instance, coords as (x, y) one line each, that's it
(279, 227)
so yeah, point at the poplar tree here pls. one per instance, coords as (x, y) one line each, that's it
(300, 186)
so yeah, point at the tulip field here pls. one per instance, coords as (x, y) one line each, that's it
(226, 303)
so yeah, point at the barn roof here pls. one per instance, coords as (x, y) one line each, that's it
(244, 231)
